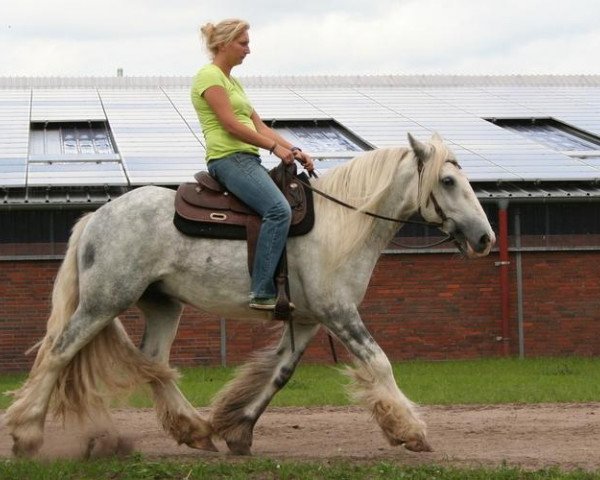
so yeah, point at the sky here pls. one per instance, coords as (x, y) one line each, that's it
(307, 37)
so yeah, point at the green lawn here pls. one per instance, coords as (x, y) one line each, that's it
(486, 381)
(492, 381)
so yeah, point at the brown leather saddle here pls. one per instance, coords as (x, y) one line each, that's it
(206, 209)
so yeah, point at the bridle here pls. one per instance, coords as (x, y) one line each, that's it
(438, 210)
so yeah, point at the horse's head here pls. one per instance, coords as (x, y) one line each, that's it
(446, 197)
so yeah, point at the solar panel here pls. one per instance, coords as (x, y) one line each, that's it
(148, 128)
(14, 133)
(62, 105)
(157, 138)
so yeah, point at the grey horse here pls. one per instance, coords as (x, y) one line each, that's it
(129, 253)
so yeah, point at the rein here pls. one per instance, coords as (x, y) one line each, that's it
(436, 206)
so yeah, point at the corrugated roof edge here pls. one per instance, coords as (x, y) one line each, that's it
(312, 81)
(91, 197)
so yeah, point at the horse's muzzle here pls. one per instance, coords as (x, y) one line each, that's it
(484, 245)
(478, 246)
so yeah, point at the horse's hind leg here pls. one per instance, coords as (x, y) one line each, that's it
(376, 387)
(177, 416)
(104, 439)
(25, 417)
(239, 405)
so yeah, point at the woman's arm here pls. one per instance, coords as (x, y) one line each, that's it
(217, 99)
(267, 131)
(263, 137)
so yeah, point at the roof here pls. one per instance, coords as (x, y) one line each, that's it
(158, 137)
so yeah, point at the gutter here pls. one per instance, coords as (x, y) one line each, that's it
(504, 283)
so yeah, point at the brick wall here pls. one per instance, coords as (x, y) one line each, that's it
(562, 304)
(434, 306)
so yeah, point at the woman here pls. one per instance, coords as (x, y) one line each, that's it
(233, 133)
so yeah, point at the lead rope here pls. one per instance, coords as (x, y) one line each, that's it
(431, 198)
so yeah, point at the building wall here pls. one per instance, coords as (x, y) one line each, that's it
(562, 303)
(418, 306)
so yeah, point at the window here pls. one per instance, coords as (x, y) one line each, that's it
(319, 136)
(551, 133)
(76, 141)
(32, 233)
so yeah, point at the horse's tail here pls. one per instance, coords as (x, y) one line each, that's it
(65, 295)
(108, 366)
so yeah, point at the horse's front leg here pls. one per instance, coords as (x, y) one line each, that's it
(375, 386)
(238, 406)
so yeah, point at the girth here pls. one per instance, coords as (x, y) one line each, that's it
(207, 209)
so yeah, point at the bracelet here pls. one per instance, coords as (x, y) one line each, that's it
(273, 148)
(296, 149)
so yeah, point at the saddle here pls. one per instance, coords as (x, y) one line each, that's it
(206, 209)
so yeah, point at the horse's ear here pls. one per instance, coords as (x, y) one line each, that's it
(436, 137)
(422, 150)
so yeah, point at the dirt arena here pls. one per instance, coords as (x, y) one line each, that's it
(532, 437)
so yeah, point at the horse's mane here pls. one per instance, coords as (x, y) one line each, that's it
(365, 182)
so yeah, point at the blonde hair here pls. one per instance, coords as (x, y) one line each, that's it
(222, 33)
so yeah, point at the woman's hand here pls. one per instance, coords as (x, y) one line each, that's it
(288, 157)
(305, 159)
(285, 154)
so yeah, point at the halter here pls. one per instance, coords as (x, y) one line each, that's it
(438, 210)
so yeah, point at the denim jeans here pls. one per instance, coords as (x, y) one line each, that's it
(244, 176)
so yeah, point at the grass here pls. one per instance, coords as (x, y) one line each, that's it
(484, 381)
(493, 381)
(137, 467)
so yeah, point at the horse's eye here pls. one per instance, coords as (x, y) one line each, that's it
(448, 181)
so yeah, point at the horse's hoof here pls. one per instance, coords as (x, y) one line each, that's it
(204, 443)
(418, 445)
(25, 449)
(239, 448)
(103, 444)
(125, 447)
